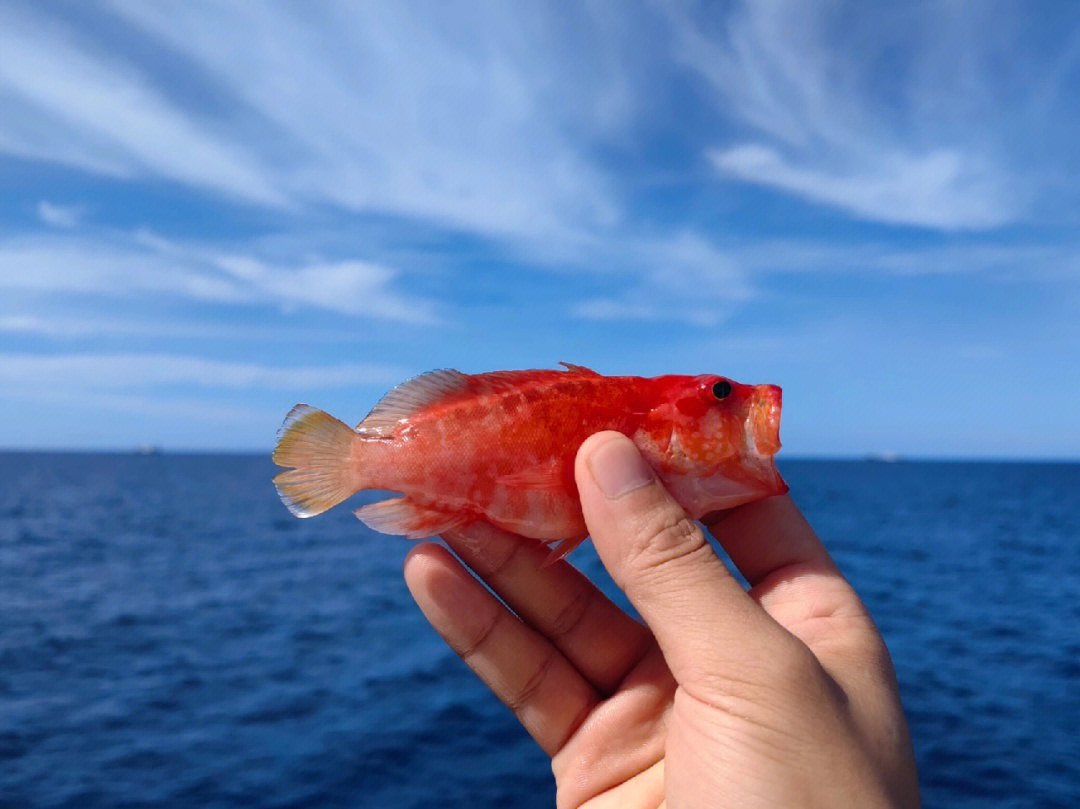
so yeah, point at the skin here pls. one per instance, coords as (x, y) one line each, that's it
(783, 695)
(454, 456)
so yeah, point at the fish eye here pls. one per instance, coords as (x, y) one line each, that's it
(721, 389)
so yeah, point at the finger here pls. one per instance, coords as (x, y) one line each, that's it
(769, 535)
(597, 637)
(548, 696)
(790, 572)
(699, 613)
(797, 582)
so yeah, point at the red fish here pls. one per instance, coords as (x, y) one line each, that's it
(500, 447)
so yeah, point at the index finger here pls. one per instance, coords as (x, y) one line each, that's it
(795, 580)
(768, 535)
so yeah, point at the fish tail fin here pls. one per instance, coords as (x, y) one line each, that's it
(319, 450)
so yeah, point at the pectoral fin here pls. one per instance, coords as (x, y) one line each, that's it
(562, 550)
(549, 475)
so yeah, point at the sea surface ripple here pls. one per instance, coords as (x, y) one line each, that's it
(171, 636)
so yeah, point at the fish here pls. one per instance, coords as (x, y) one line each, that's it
(499, 447)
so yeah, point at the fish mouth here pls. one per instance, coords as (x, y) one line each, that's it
(764, 419)
(764, 429)
(771, 481)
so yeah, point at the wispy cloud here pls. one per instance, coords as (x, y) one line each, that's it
(990, 260)
(215, 202)
(119, 265)
(350, 287)
(81, 265)
(478, 118)
(59, 216)
(104, 372)
(860, 107)
(494, 119)
(682, 278)
(942, 189)
(69, 99)
(139, 408)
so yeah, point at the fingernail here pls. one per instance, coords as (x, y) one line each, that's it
(618, 468)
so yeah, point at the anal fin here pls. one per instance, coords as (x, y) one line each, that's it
(404, 517)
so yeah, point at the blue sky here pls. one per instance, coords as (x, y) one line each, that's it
(211, 211)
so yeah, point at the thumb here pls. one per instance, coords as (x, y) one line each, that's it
(707, 626)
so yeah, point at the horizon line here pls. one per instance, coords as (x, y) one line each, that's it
(883, 458)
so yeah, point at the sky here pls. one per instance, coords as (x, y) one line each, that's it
(211, 211)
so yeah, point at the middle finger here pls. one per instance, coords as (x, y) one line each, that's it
(597, 637)
(547, 694)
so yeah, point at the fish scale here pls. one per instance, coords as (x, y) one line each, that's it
(500, 447)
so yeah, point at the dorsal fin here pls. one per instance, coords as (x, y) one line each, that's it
(409, 397)
(436, 387)
(580, 369)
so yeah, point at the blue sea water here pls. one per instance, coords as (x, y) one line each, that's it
(171, 636)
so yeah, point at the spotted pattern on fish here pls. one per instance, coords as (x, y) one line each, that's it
(500, 447)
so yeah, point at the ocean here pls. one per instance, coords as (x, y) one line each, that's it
(170, 636)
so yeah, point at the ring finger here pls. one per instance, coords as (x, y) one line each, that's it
(547, 694)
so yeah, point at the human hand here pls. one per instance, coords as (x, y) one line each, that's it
(780, 696)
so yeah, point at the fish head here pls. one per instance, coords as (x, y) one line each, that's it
(720, 440)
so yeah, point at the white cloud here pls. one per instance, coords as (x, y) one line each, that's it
(991, 260)
(120, 265)
(103, 267)
(59, 216)
(127, 372)
(351, 287)
(694, 282)
(73, 102)
(681, 278)
(942, 189)
(858, 107)
(29, 324)
(47, 321)
(138, 407)
(110, 265)
(478, 117)
(493, 117)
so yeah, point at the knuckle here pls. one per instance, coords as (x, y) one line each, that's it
(787, 676)
(572, 614)
(496, 567)
(484, 548)
(523, 694)
(794, 668)
(468, 647)
(664, 535)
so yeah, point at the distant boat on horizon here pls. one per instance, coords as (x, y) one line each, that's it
(883, 457)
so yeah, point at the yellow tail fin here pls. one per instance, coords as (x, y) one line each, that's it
(318, 447)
